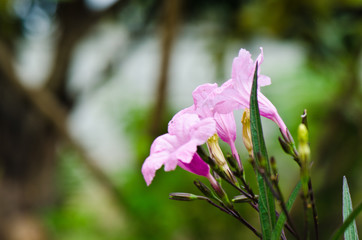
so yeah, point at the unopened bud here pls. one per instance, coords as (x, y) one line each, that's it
(290, 137)
(232, 161)
(303, 149)
(242, 199)
(286, 147)
(304, 156)
(209, 194)
(204, 189)
(215, 150)
(217, 155)
(245, 120)
(302, 134)
(183, 196)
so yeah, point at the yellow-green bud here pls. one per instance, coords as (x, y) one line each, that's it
(304, 155)
(304, 150)
(215, 150)
(302, 134)
(242, 199)
(217, 155)
(245, 120)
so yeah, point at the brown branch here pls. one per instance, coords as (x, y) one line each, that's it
(75, 22)
(172, 12)
(54, 112)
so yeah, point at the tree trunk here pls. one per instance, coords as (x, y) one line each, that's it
(27, 163)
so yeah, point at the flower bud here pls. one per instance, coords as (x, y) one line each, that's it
(217, 155)
(302, 134)
(215, 150)
(183, 196)
(232, 161)
(285, 146)
(304, 150)
(245, 120)
(242, 199)
(304, 156)
(204, 189)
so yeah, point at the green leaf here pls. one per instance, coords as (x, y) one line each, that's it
(349, 224)
(264, 215)
(282, 218)
(266, 198)
(256, 129)
(351, 231)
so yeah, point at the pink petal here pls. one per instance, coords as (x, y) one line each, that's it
(260, 58)
(182, 123)
(230, 99)
(263, 81)
(161, 150)
(165, 142)
(203, 130)
(237, 95)
(190, 132)
(173, 125)
(242, 67)
(152, 164)
(184, 153)
(202, 95)
(196, 166)
(225, 127)
(187, 126)
(278, 120)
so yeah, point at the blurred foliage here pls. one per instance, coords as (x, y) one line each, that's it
(73, 216)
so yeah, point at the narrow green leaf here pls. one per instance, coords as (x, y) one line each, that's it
(347, 223)
(351, 231)
(256, 129)
(265, 219)
(266, 198)
(282, 217)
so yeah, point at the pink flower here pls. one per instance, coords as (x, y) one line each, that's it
(225, 123)
(236, 92)
(178, 147)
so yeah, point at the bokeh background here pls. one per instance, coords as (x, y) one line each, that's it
(86, 85)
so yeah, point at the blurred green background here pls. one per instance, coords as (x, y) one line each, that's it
(85, 87)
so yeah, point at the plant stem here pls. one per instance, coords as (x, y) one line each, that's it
(247, 187)
(236, 215)
(241, 219)
(306, 219)
(248, 195)
(280, 198)
(314, 209)
(284, 208)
